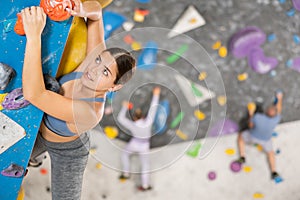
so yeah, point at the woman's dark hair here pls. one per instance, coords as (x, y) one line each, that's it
(138, 114)
(125, 63)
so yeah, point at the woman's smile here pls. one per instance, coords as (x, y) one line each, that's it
(89, 76)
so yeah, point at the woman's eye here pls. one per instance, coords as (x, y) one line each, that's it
(98, 60)
(105, 72)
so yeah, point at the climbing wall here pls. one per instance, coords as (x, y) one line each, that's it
(12, 53)
(278, 22)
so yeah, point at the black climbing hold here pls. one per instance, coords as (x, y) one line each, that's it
(51, 83)
(7, 73)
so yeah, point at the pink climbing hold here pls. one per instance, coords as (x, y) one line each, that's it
(212, 175)
(235, 166)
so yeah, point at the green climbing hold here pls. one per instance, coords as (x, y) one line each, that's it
(196, 91)
(177, 120)
(173, 58)
(194, 150)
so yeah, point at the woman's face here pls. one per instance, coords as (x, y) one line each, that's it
(101, 73)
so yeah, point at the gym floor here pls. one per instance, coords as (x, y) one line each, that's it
(187, 177)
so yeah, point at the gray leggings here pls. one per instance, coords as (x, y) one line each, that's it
(68, 162)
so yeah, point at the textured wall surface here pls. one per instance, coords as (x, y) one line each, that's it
(223, 19)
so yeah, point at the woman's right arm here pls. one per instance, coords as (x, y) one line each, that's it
(34, 20)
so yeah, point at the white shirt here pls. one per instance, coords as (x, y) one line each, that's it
(142, 127)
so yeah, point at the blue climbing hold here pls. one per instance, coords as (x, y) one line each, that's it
(289, 63)
(112, 21)
(8, 25)
(278, 179)
(274, 134)
(271, 37)
(143, 1)
(162, 114)
(290, 12)
(296, 39)
(273, 73)
(148, 57)
(281, 1)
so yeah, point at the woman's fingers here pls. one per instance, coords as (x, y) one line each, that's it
(76, 4)
(34, 20)
(40, 12)
(33, 10)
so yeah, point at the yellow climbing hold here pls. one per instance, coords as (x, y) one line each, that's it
(258, 195)
(138, 17)
(193, 21)
(2, 97)
(199, 115)
(223, 52)
(222, 100)
(111, 132)
(230, 151)
(92, 151)
(202, 76)
(21, 194)
(242, 77)
(181, 135)
(251, 108)
(247, 169)
(122, 180)
(98, 165)
(259, 147)
(136, 46)
(216, 45)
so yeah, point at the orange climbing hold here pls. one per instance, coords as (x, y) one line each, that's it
(128, 39)
(19, 29)
(56, 9)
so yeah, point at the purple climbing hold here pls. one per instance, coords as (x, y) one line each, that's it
(212, 175)
(235, 166)
(13, 171)
(260, 63)
(246, 39)
(296, 64)
(15, 100)
(296, 4)
(219, 128)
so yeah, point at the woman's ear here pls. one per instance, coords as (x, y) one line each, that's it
(116, 88)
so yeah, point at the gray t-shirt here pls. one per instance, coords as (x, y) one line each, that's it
(264, 126)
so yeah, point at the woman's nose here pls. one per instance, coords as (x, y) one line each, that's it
(96, 70)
